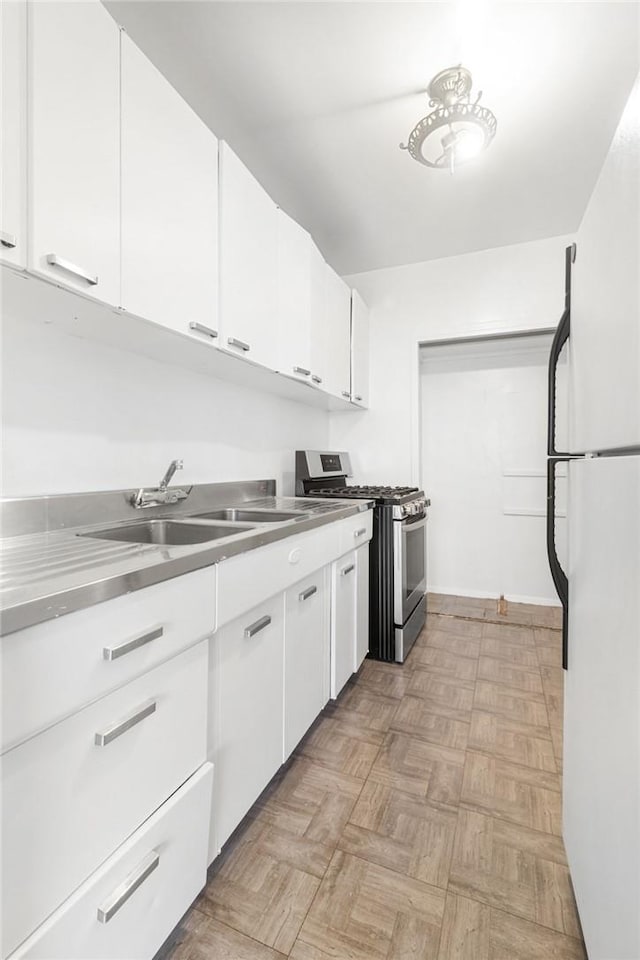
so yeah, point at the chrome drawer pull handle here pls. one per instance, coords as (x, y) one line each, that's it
(128, 886)
(240, 344)
(112, 733)
(345, 393)
(302, 370)
(358, 397)
(8, 239)
(346, 570)
(257, 627)
(200, 328)
(55, 261)
(316, 378)
(112, 653)
(309, 592)
(360, 533)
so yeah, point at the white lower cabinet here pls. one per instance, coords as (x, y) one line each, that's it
(361, 646)
(344, 585)
(306, 655)
(246, 695)
(73, 794)
(129, 906)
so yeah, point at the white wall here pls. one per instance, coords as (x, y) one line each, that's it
(78, 415)
(484, 418)
(509, 288)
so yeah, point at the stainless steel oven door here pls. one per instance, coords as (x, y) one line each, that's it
(409, 566)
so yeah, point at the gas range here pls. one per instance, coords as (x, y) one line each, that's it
(397, 551)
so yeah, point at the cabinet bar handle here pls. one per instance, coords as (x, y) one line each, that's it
(257, 627)
(200, 328)
(302, 370)
(55, 261)
(115, 731)
(316, 378)
(358, 397)
(309, 592)
(345, 393)
(346, 570)
(360, 533)
(240, 344)
(8, 239)
(128, 886)
(112, 653)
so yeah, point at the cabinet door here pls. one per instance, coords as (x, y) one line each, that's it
(169, 203)
(306, 656)
(359, 350)
(246, 699)
(248, 263)
(361, 647)
(319, 347)
(294, 299)
(343, 621)
(336, 338)
(13, 140)
(74, 146)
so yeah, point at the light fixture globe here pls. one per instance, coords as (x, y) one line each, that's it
(457, 130)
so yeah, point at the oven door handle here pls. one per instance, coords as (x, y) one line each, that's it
(409, 524)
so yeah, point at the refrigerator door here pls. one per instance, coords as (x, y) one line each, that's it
(601, 802)
(605, 302)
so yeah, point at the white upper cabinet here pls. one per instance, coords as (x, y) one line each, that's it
(335, 344)
(13, 140)
(359, 350)
(319, 349)
(169, 203)
(74, 146)
(330, 328)
(294, 299)
(248, 263)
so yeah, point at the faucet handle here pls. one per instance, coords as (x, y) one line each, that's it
(171, 469)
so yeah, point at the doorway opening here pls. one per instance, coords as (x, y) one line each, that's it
(483, 419)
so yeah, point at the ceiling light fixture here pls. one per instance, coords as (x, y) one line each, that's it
(468, 128)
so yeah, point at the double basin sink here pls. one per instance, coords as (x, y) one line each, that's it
(182, 533)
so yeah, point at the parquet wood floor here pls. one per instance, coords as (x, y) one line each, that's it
(419, 819)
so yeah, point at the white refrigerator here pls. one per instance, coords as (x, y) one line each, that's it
(601, 769)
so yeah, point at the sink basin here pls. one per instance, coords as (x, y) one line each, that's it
(253, 516)
(169, 532)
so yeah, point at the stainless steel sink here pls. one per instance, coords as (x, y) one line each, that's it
(237, 514)
(170, 532)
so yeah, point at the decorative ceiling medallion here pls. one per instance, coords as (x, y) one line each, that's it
(468, 128)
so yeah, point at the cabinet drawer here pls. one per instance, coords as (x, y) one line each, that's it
(53, 669)
(72, 794)
(175, 840)
(355, 531)
(252, 577)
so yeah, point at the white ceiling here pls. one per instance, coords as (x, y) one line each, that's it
(316, 96)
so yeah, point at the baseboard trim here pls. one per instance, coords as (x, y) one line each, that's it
(484, 595)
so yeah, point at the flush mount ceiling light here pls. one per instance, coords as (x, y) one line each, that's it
(457, 130)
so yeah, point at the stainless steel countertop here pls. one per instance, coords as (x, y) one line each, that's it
(47, 574)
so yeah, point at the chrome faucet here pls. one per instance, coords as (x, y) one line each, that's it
(157, 496)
